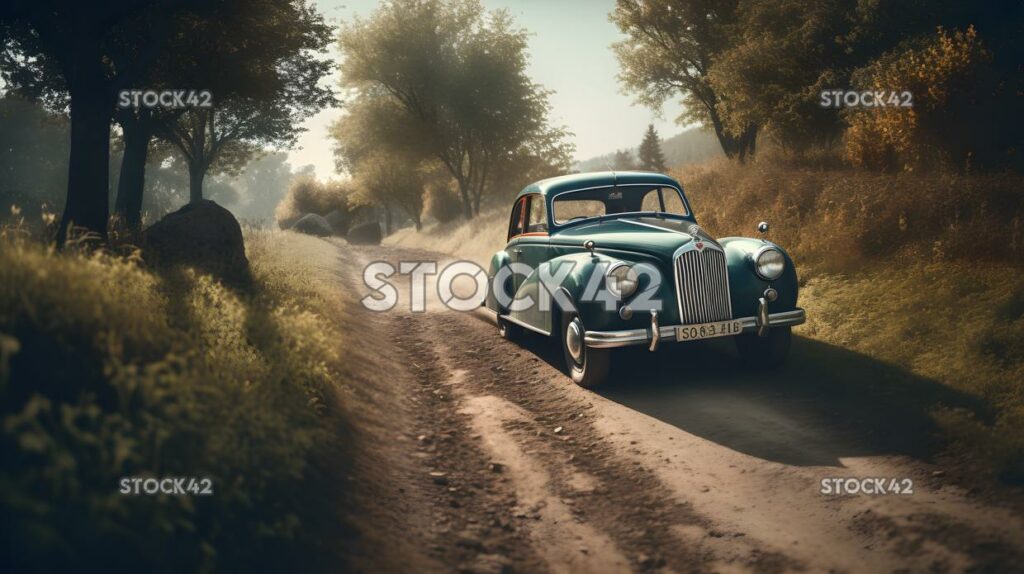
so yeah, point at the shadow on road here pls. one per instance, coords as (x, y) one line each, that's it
(825, 404)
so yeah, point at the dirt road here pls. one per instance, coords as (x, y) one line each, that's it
(485, 457)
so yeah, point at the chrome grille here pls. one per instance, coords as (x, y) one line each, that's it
(702, 285)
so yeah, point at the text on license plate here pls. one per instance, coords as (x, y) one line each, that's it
(708, 330)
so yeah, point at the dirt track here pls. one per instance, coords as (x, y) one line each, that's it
(489, 459)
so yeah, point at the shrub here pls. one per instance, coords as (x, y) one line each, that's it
(308, 195)
(109, 371)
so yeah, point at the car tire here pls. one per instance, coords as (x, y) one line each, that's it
(765, 352)
(588, 367)
(509, 330)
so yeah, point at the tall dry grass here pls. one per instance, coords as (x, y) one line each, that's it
(839, 218)
(922, 270)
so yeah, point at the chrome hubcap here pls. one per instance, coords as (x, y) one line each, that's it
(574, 340)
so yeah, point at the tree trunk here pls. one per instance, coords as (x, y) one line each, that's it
(387, 220)
(132, 181)
(88, 202)
(467, 204)
(746, 145)
(195, 181)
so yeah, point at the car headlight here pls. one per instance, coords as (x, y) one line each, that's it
(769, 263)
(622, 280)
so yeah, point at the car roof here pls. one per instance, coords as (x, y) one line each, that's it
(575, 181)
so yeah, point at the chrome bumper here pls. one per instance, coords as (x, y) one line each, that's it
(657, 334)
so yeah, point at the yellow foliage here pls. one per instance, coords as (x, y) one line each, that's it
(893, 137)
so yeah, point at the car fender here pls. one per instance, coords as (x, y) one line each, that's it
(498, 260)
(745, 287)
(573, 285)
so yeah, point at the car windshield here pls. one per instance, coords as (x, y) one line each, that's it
(590, 203)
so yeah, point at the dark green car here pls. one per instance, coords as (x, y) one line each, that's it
(611, 259)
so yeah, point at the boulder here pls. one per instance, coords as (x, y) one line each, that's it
(338, 221)
(365, 234)
(202, 235)
(313, 224)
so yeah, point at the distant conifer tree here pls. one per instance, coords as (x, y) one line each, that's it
(650, 156)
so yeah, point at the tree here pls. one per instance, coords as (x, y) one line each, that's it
(69, 43)
(670, 48)
(649, 155)
(390, 182)
(375, 145)
(784, 54)
(459, 76)
(255, 54)
(257, 57)
(623, 160)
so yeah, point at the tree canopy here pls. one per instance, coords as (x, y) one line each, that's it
(458, 75)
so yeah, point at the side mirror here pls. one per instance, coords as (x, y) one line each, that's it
(763, 227)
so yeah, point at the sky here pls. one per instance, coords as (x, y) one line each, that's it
(570, 53)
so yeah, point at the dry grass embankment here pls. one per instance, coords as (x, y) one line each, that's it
(109, 370)
(917, 270)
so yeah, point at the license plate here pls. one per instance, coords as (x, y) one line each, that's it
(708, 330)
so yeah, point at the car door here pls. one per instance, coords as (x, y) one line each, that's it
(532, 250)
(516, 228)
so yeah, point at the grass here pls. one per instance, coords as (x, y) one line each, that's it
(917, 270)
(108, 370)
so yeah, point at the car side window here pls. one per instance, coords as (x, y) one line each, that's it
(517, 221)
(537, 222)
(653, 199)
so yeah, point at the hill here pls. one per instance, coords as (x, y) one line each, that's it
(691, 146)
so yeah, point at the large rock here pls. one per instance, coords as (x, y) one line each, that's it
(203, 235)
(313, 224)
(338, 221)
(365, 234)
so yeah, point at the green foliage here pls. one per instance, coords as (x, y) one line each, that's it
(784, 53)
(458, 74)
(649, 155)
(260, 97)
(669, 50)
(131, 374)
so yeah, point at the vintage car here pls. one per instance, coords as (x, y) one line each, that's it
(620, 260)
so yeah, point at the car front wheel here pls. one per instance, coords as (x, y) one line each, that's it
(765, 352)
(587, 367)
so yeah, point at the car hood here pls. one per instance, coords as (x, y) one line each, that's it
(652, 235)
